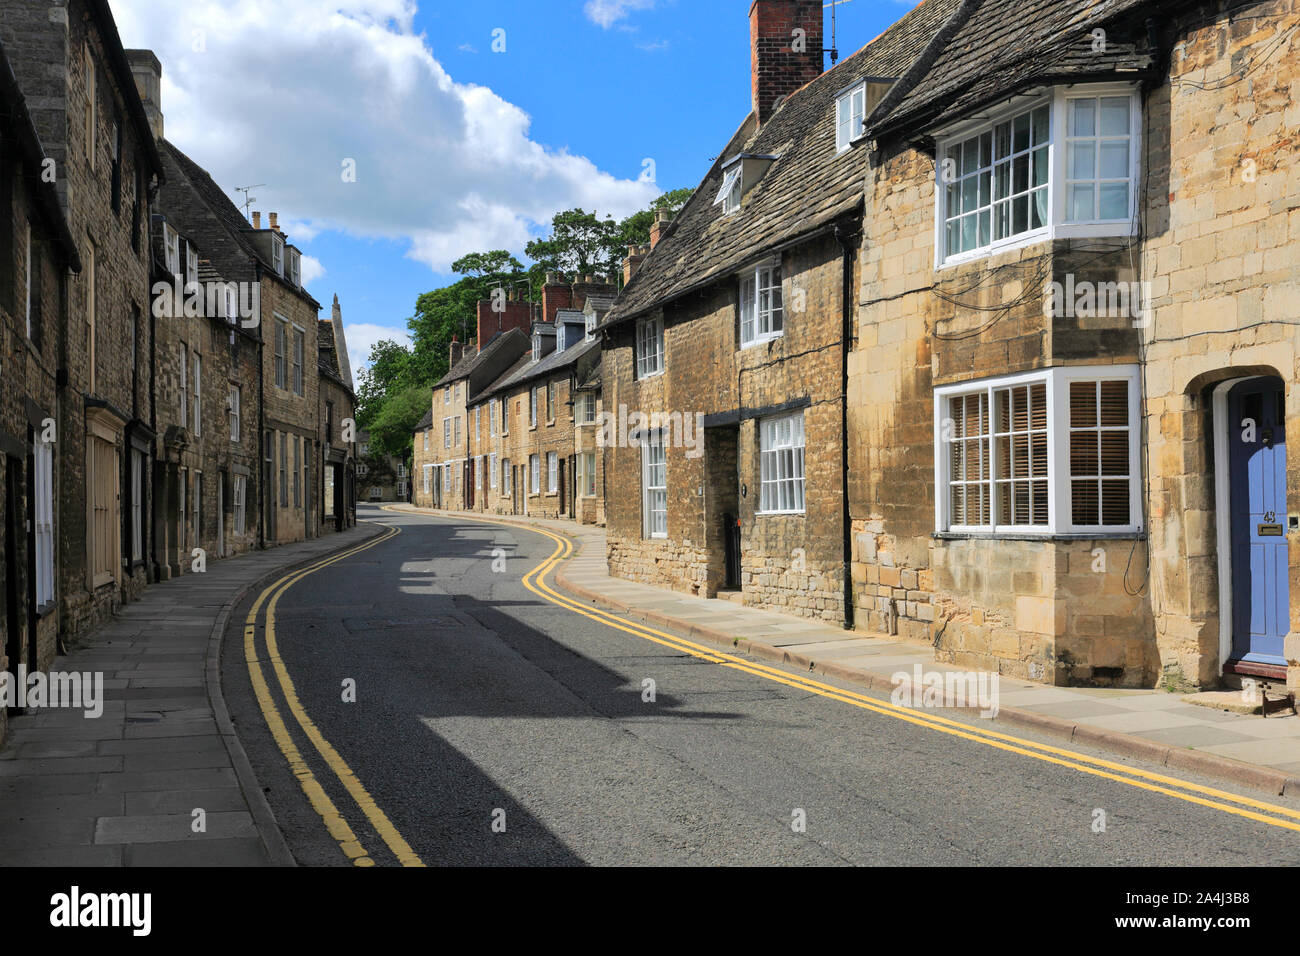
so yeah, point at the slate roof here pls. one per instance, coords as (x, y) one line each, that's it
(427, 421)
(527, 370)
(326, 354)
(1002, 46)
(203, 211)
(803, 191)
(472, 360)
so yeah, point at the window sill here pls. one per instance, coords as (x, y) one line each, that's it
(781, 514)
(762, 340)
(649, 375)
(1039, 536)
(46, 609)
(1112, 229)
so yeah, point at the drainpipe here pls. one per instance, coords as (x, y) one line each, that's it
(847, 237)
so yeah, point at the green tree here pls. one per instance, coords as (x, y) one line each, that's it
(389, 370)
(392, 427)
(581, 243)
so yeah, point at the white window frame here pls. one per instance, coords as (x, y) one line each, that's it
(584, 408)
(654, 497)
(281, 352)
(137, 505)
(492, 418)
(446, 478)
(535, 474)
(552, 473)
(1057, 225)
(850, 106)
(1057, 381)
(184, 386)
(172, 250)
(507, 478)
(650, 347)
(277, 254)
(191, 265)
(198, 394)
(589, 328)
(586, 466)
(782, 470)
(532, 407)
(446, 433)
(492, 471)
(760, 313)
(299, 358)
(239, 486)
(732, 189)
(43, 513)
(235, 422)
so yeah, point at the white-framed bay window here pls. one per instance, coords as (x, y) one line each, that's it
(1050, 452)
(1059, 164)
(649, 346)
(762, 306)
(781, 464)
(654, 485)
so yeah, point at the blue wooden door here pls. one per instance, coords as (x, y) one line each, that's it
(1261, 606)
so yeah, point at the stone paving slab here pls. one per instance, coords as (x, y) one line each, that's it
(1154, 716)
(121, 789)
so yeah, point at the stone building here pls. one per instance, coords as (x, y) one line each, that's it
(337, 417)
(1075, 357)
(726, 356)
(532, 431)
(38, 257)
(426, 492)
(81, 95)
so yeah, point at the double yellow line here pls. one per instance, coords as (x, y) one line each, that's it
(1248, 807)
(335, 822)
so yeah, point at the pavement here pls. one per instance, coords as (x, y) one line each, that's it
(123, 789)
(1159, 727)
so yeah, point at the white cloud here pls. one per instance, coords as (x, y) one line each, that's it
(363, 336)
(286, 93)
(311, 270)
(608, 12)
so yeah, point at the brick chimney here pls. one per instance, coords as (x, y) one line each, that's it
(147, 72)
(662, 219)
(257, 219)
(457, 351)
(786, 43)
(516, 314)
(275, 221)
(635, 256)
(556, 295)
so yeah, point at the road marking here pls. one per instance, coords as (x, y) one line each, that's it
(535, 582)
(320, 801)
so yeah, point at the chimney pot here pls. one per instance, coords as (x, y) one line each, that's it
(257, 219)
(275, 221)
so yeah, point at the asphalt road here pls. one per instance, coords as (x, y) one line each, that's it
(476, 696)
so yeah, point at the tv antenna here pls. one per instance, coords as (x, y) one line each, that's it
(248, 200)
(834, 7)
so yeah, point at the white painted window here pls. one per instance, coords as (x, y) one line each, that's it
(507, 486)
(455, 426)
(198, 395)
(492, 418)
(537, 347)
(850, 112)
(649, 347)
(478, 473)
(428, 478)
(1047, 452)
(730, 192)
(587, 474)
(295, 267)
(446, 395)
(591, 328)
(654, 486)
(478, 423)
(137, 505)
(446, 433)
(240, 485)
(191, 264)
(196, 509)
(296, 443)
(552, 472)
(762, 306)
(535, 474)
(277, 254)
(584, 409)
(185, 388)
(171, 250)
(281, 352)
(446, 478)
(183, 515)
(781, 464)
(1060, 165)
(492, 471)
(299, 348)
(532, 407)
(426, 440)
(235, 411)
(43, 513)
(505, 416)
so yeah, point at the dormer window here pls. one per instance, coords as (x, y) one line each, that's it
(591, 327)
(191, 264)
(850, 114)
(277, 255)
(295, 267)
(730, 193)
(171, 250)
(537, 347)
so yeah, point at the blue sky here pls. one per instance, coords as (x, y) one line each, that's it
(458, 147)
